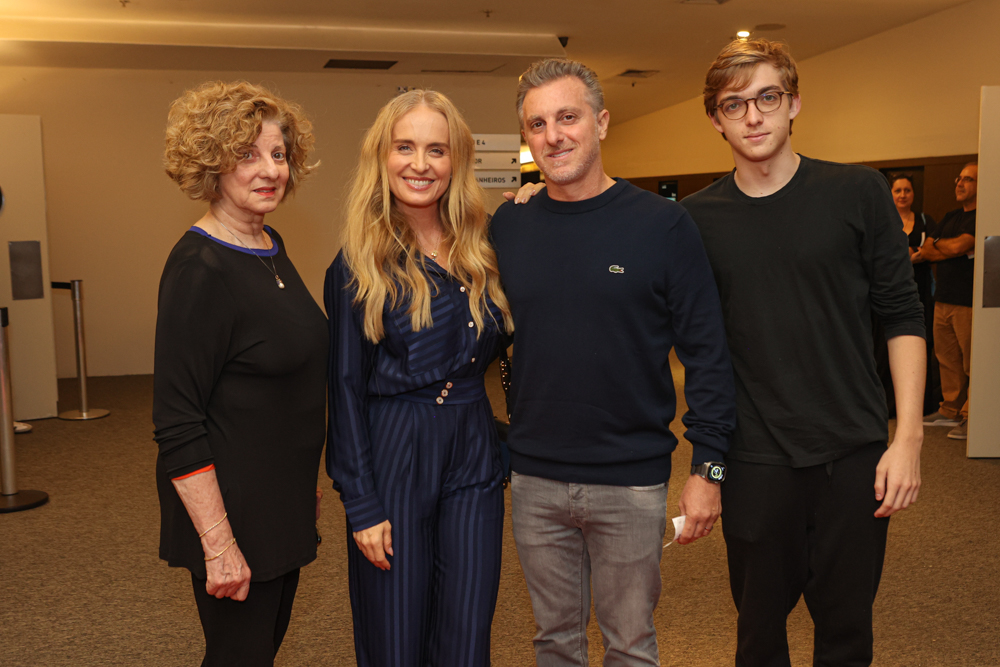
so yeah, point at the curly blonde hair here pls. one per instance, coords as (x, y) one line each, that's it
(381, 249)
(209, 128)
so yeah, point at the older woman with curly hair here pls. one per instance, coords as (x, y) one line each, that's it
(239, 379)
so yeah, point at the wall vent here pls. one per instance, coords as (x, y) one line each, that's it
(359, 64)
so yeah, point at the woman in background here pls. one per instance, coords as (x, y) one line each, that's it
(416, 316)
(916, 226)
(239, 374)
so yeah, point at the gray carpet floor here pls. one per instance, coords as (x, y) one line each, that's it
(81, 585)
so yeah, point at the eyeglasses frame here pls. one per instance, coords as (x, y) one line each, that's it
(746, 104)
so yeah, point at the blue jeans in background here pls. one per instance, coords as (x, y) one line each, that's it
(570, 536)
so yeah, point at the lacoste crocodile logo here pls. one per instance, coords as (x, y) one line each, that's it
(614, 268)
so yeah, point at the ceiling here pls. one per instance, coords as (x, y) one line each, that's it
(676, 38)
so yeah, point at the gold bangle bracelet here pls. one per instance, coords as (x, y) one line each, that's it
(216, 524)
(222, 552)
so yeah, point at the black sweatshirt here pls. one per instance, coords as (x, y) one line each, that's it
(601, 290)
(799, 273)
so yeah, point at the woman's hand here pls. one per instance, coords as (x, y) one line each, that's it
(229, 574)
(375, 543)
(527, 191)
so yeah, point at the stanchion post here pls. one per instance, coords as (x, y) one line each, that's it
(81, 359)
(11, 500)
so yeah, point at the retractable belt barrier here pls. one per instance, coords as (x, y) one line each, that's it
(11, 500)
(76, 286)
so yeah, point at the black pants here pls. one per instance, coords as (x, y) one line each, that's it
(804, 531)
(248, 633)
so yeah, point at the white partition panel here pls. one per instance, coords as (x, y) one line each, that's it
(984, 381)
(22, 219)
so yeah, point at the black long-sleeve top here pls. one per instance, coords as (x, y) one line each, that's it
(600, 291)
(239, 380)
(799, 273)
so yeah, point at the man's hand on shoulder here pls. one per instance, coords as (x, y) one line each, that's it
(701, 502)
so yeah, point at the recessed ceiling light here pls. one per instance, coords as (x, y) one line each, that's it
(743, 34)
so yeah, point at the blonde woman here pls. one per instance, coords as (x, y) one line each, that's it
(416, 316)
(238, 382)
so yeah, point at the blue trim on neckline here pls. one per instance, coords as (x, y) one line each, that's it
(260, 252)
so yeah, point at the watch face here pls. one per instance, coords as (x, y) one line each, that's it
(716, 473)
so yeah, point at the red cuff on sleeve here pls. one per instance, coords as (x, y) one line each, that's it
(210, 466)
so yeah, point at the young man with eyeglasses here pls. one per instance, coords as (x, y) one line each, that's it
(803, 251)
(950, 248)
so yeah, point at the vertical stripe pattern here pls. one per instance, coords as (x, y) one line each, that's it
(412, 441)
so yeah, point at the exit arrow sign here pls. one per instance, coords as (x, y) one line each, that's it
(498, 161)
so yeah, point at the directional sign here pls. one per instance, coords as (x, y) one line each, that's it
(507, 180)
(498, 160)
(497, 142)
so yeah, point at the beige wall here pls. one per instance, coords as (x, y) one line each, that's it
(984, 381)
(908, 92)
(113, 215)
(29, 335)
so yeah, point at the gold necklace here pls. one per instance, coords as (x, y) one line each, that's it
(434, 253)
(281, 285)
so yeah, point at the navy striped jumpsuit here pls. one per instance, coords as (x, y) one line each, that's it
(412, 440)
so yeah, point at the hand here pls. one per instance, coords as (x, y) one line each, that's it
(897, 476)
(527, 191)
(701, 501)
(375, 543)
(916, 256)
(229, 574)
(319, 497)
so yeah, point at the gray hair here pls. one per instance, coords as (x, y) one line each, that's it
(551, 69)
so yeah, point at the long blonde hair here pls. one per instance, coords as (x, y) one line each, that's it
(381, 249)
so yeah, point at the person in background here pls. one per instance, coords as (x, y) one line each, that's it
(239, 373)
(916, 226)
(416, 316)
(950, 248)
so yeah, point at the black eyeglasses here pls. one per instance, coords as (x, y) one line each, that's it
(735, 108)
(964, 179)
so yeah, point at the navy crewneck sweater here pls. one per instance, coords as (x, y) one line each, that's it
(601, 290)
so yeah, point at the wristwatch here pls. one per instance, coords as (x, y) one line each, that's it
(712, 471)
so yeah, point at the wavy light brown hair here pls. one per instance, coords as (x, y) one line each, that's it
(381, 249)
(211, 126)
(734, 67)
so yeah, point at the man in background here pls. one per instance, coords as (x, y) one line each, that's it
(950, 247)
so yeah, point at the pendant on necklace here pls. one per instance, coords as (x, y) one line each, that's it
(281, 285)
(434, 255)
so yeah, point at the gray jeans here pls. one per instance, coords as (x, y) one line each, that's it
(570, 536)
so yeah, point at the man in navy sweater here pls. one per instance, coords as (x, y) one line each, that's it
(603, 280)
(803, 252)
